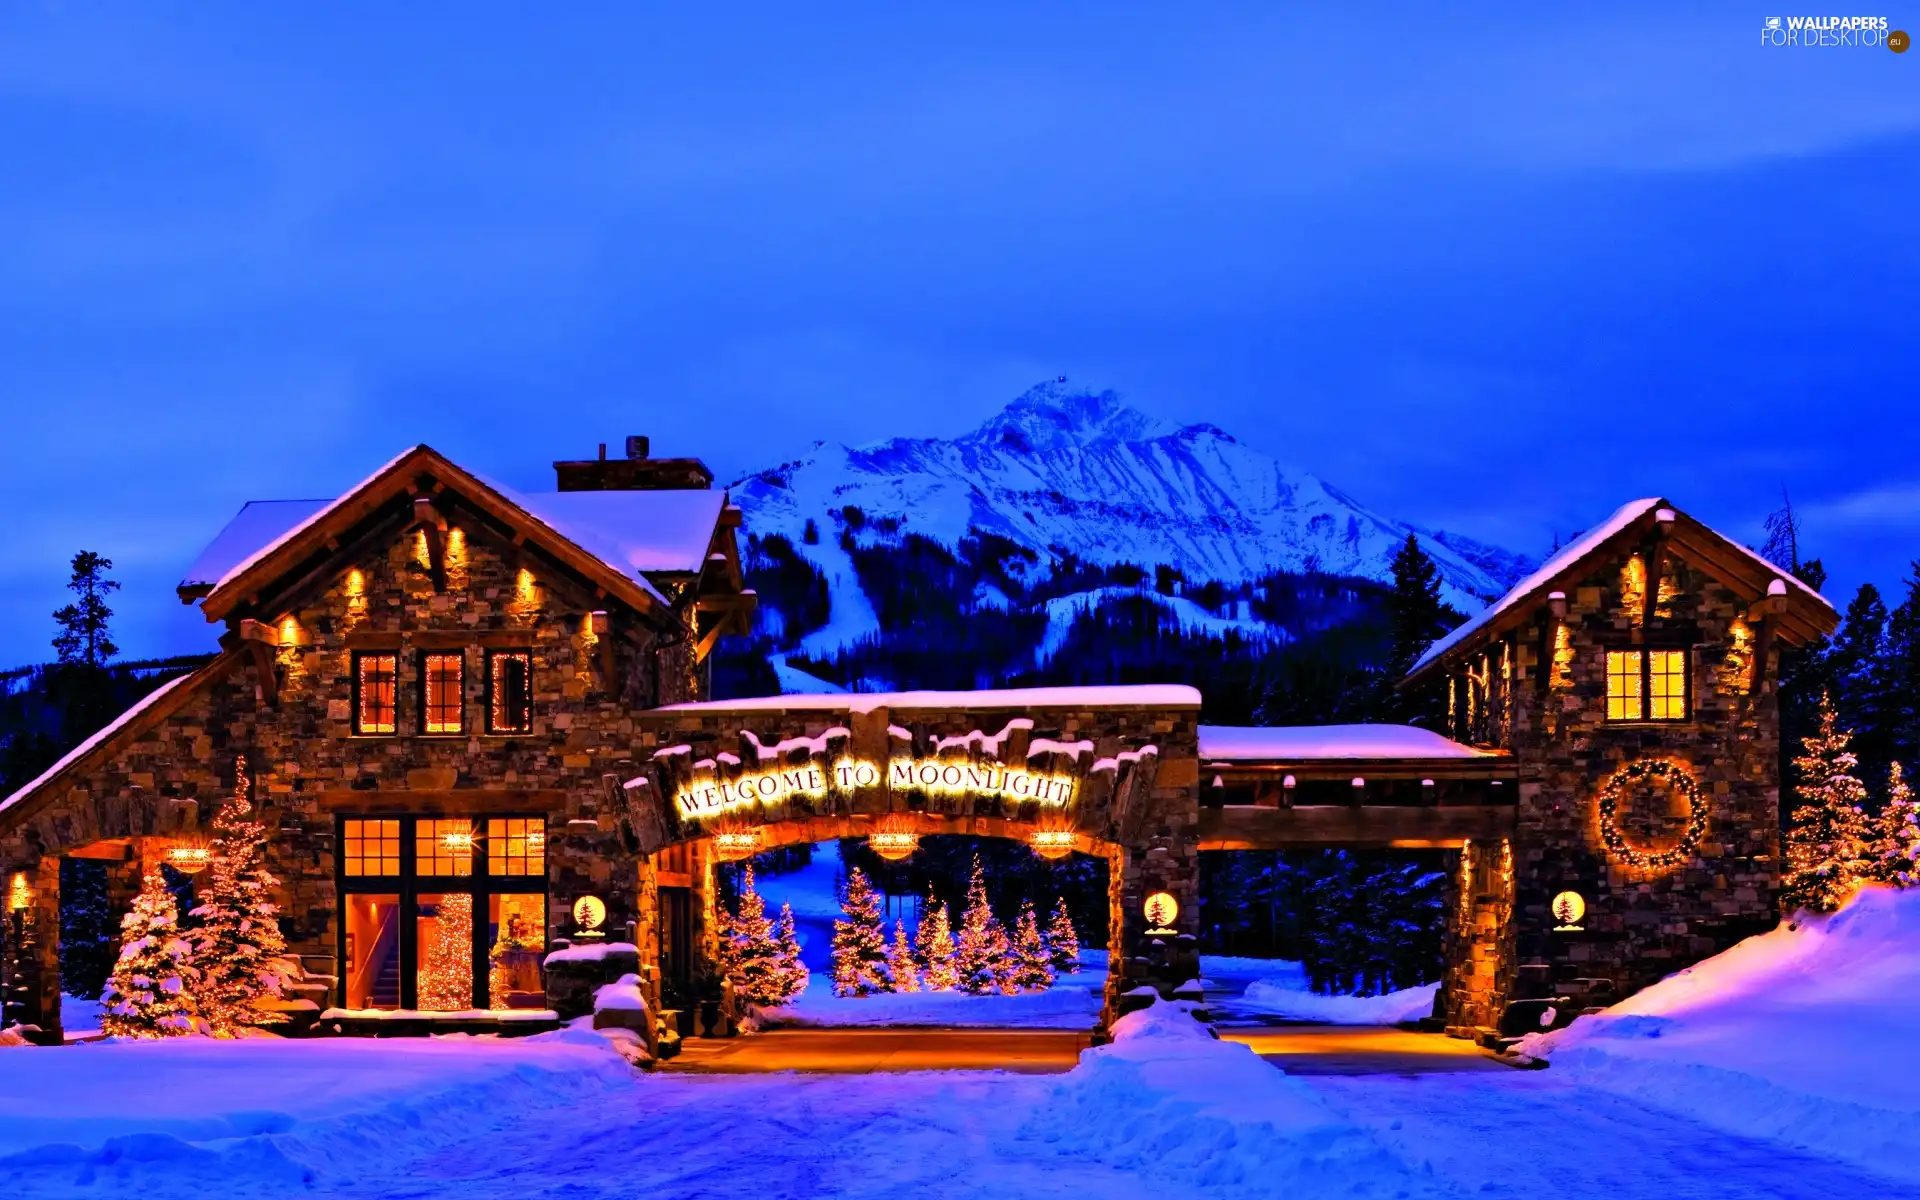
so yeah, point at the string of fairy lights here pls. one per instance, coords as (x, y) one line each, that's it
(1615, 792)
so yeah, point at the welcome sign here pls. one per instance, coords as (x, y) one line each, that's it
(766, 788)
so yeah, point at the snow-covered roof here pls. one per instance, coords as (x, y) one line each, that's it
(259, 525)
(633, 532)
(1308, 743)
(1145, 695)
(84, 748)
(1570, 554)
(638, 532)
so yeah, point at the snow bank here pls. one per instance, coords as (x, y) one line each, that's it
(1799, 1035)
(1292, 998)
(1072, 1003)
(1168, 1100)
(158, 1102)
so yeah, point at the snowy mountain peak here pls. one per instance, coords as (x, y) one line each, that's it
(1065, 470)
(1058, 416)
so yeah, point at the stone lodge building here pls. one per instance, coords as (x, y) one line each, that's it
(475, 722)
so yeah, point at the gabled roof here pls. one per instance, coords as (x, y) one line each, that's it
(616, 539)
(1808, 615)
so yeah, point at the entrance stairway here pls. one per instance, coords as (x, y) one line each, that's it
(385, 992)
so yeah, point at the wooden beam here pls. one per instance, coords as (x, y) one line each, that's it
(268, 684)
(1655, 558)
(706, 644)
(117, 850)
(435, 527)
(258, 631)
(459, 801)
(1247, 827)
(1762, 650)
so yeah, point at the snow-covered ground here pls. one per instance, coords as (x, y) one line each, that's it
(1810, 1036)
(1277, 987)
(1073, 1002)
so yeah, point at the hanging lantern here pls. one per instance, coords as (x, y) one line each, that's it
(893, 840)
(732, 845)
(189, 858)
(1052, 843)
(1161, 910)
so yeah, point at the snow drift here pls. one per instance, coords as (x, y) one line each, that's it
(1803, 1035)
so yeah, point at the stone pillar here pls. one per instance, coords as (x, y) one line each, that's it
(1480, 938)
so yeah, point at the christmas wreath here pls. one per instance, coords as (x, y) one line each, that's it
(1673, 775)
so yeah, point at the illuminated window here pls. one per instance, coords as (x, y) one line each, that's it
(443, 679)
(371, 848)
(375, 684)
(1646, 685)
(1667, 685)
(443, 848)
(516, 846)
(509, 691)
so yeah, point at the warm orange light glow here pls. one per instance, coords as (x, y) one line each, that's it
(289, 631)
(731, 845)
(356, 583)
(524, 587)
(1052, 843)
(19, 895)
(191, 859)
(894, 844)
(456, 547)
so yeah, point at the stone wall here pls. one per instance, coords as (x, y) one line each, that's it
(1641, 924)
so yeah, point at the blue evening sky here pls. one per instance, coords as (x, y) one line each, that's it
(1495, 272)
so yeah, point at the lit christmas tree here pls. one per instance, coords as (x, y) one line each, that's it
(1063, 941)
(936, 950)
(1827, 840)
(1896, 844)
(149, 992)
(900, 964)
(860, 942)
(446, 961)
(760, 972)
(794, 972)
(238, 943)
(1032, 963)
(983, 957)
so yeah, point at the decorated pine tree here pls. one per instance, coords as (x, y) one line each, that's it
(1063, 942)
(937, 951)
(1827, 840)
(446, 956)
(759, 971)
(983, 958)
(1032, 963)
(793, 972)
(150, 992)
(1896, 843)
(724, 961)
(860, 942)
(237, 945)
(900, 964)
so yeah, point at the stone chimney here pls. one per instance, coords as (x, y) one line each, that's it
(637, 472)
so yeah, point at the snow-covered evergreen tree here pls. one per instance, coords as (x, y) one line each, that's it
(1032, 963)
(900, 963)
(983, 957)
(759, 968)
(1063, 941)
(1896, 843)
(793, 972)
(1827, 839)
(860, 942)
(238, 942)
(150, 993)
(937, 950)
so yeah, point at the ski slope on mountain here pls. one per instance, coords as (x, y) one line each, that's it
(1063, 468)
